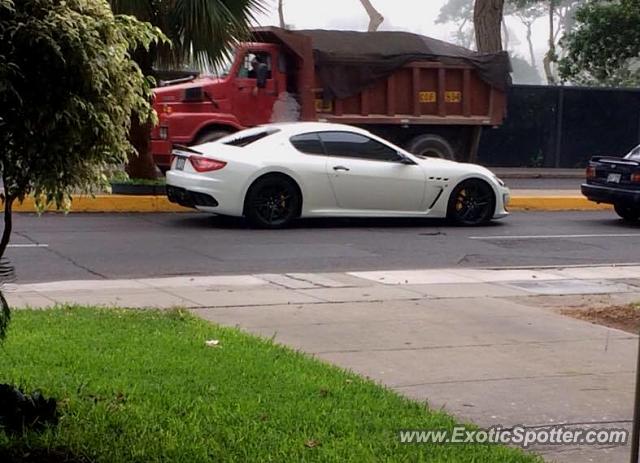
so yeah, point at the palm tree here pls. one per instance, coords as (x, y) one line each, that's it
(201, 32)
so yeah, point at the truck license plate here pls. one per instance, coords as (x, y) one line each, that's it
(613, 178)
(180, 163)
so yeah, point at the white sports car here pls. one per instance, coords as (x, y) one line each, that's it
(275, 173)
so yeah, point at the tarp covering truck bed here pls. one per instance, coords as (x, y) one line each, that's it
(349, 61)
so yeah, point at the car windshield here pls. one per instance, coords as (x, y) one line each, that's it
(634, 154)
(246, 137)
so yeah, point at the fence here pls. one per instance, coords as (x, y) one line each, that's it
(562, 126)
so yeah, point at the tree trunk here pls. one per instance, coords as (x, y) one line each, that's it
(532, 55)
(487, 18)
(375, 18)
(8, 224)
(281, 14)
(6, 271)
(142, 165)
(550, 57)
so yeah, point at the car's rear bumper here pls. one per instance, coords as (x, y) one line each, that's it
(188, 198)
(609, 195)
(217, 195)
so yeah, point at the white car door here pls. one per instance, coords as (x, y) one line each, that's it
(367, 175)
(310, 164)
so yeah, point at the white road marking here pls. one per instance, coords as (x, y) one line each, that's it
(30, 245)
(546, 237)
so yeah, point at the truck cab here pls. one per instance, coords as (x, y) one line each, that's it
(205, 109)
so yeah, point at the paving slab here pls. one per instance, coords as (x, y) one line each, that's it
(211, 281)
(241, 297)
(565, 287)
(328, 280)
(28, 299)
(286, 281)
(130, 298)
(373, 293)
(467, 291)
(414, 277)
(599, 273)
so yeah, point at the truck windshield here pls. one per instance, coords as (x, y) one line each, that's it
(247, 137)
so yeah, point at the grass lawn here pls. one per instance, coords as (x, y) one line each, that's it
(141, 386)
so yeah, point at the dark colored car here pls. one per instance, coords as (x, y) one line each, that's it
(616, 181)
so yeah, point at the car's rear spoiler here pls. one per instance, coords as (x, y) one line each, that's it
(184, 149)
(614, 160)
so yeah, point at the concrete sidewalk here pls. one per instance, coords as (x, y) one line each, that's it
(486, 345)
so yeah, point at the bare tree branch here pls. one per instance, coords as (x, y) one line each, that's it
(375, 18)
(281, 13)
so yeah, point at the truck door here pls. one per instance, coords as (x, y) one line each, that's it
(254, 109)
(367, 176)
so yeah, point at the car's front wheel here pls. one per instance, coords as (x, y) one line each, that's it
(472, 202)
(628, 213)
(272, 202)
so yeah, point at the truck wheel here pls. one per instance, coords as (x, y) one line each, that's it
(433, 146)
(628, 213)
(208, 137)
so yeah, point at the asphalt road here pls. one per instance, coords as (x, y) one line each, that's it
(89, 246)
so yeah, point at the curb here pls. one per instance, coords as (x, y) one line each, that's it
(124, 203)
(555, 203)
(111, 203)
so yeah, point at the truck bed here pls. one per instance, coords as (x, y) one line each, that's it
(419, 93)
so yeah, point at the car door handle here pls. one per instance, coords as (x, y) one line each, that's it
(337, 168)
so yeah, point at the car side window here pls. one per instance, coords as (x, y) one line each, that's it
(354, 145)
(308, 143)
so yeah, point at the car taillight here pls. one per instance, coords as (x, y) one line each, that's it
(591, 172)
(635, 178)
(202, 164)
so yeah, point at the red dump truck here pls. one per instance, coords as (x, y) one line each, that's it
(426, 95)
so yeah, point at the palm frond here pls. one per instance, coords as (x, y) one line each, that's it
(205, 30)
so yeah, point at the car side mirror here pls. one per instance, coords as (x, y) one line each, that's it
(402, 159)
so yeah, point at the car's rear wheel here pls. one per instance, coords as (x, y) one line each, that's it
(472, 202)
(272, 202)
(628, 213)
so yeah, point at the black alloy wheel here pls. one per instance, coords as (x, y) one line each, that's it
(473, 202)
(272, 202)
